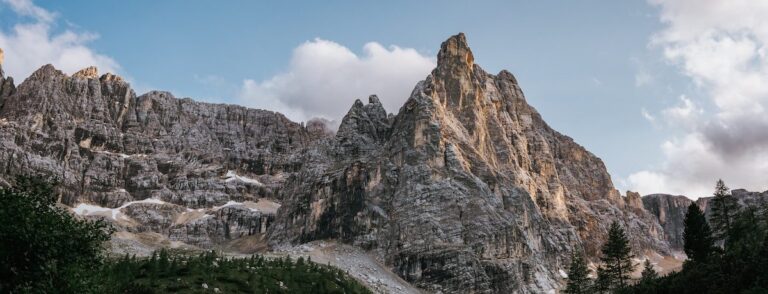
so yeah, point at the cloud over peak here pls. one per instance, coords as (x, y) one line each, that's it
(323, 78)
(32, 44)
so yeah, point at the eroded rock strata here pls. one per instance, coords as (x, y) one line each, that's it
(109, 147)
(465, 189)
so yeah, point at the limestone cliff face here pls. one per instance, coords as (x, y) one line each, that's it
(670, 211)
(110, 148)
(466, 189)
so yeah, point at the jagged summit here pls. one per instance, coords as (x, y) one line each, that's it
(49, 71)
(455, 52)
(2, 56)
(90, 72)
(45, 72)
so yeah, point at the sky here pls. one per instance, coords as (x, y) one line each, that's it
(671, 94)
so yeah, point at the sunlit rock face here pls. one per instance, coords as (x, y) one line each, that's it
(466, 189)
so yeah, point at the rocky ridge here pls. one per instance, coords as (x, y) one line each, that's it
(111, 149)
(465, 189)
(670, 210)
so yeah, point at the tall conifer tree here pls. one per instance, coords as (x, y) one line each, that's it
(697, 235)
(724, 209)
(578, 280)
(617, 256)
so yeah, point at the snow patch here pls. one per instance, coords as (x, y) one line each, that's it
(232, 176)
(121, 155)
(233, 203)
(84, 209)
(88, 209)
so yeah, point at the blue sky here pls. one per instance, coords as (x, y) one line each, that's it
(598, 71)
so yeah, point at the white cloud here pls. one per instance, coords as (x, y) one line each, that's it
(27, 8)
(28, 46)
(685, 114)
(324, 78)
(648, 116)
(722, 46)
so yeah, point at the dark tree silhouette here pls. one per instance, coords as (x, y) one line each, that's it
(617, 257)
(724, 209)
(578, 280)
(697, 235)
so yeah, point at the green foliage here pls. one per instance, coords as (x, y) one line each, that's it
(741, 267)
(617, 257)
(603, 282)
(697, 235)
(724, 208)
(44, 249)
(179, 273)
(578, 280)
(649, 273)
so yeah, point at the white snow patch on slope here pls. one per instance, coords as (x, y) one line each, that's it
(121, 155)
(234, 203)
(85, 209)
(233, 176)
(88, 209)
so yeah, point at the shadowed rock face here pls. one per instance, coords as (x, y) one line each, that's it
(7, 88)
(466, 189)
(670, 210)
(109, 147)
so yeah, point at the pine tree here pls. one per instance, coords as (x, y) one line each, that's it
(724, 208)
(697, 235)
(649, 274)
(578, 280)
(603, 282)
(617, 257)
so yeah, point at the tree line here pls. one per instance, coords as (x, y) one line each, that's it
(46, 249)
(726, 254)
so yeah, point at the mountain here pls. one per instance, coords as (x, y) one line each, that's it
(670, 210)
(112, 151)
(465, 189)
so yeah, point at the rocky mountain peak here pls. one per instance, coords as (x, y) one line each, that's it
(364, 125)
(7, 88)
(46, 72)
(455, 53)
(90, 72)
